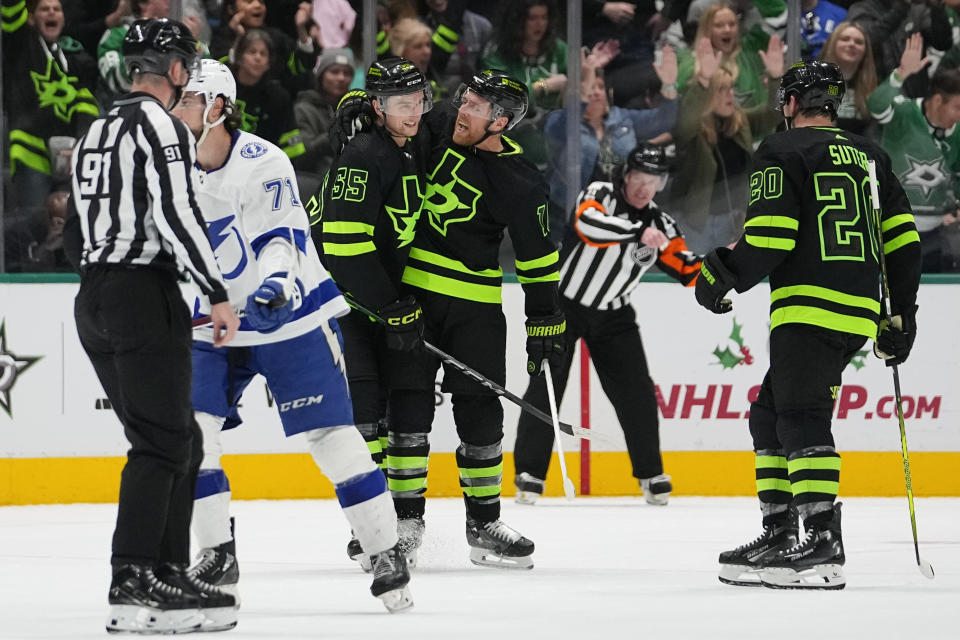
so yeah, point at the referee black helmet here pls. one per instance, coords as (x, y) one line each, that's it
(151, 46)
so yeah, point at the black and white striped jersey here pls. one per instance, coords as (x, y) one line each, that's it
(608, 259)
(133, 190)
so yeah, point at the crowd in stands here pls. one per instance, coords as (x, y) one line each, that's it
(700, 73)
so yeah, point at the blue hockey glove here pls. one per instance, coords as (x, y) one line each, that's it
(354, 115)
(715, 282)
(545, 341)
(895, 337)
(268, 308)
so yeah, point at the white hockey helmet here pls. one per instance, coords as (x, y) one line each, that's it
(211, 80)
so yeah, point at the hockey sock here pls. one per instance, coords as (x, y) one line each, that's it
(344, 458)
(815, 481)
(408, 455)
(481, 472)
(211, 507)
(370, 433)
(773, 484)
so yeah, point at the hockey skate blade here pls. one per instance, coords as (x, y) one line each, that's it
(129, 618)
(486, 558)
(821, 576)
(528, 498)
(739, 575)
(219, 618)
(398, 600)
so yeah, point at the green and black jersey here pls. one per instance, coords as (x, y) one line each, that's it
(46, 89)
(471, 197)
(810, 227)
(364, 218)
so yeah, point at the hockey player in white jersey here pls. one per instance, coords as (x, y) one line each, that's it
(289, 334)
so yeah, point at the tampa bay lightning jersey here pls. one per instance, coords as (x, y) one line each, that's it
(249, 202)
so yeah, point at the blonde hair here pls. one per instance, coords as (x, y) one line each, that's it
(728, 126)
(729, 61)
(405, 31)
(864, 79)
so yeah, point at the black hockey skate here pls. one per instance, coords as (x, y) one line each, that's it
(219, 608)
(140, 602)
(494, 544)
(410, 534)
(356, 553)
(390, 579)
(741, 566)
(217, 566)
(656, 490)
(815, 562)
(529, 488)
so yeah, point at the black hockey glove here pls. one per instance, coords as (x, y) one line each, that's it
(895, 337)
(545, 342)
(404, 324)
(715, 281)
(354, 115)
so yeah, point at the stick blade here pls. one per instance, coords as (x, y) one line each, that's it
(926, 569)
(568, 489)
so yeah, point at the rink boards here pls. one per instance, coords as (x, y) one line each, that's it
(61, 442)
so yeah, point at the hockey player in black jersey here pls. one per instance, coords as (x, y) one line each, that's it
(809, 227)
(620, 234)
(478, 185)
(363, 224)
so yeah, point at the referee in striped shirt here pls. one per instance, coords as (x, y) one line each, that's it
(135, 227)
(620, 233)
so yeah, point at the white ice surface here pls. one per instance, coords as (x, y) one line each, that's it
(605, 568)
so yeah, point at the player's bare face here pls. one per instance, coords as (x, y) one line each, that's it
(724, 31)
(473, 116)
(851, 46)
(639, 188)
(190, 111)
(47, 19)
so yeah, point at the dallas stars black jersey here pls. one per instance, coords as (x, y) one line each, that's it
(471, 197)
(810, 227)
(364, 218)
(46, 89)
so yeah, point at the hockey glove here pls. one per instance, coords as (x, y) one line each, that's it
(269, 308)
(545, 342)
(404, 324)
(354, 115)
(895, 337)
(715, 281)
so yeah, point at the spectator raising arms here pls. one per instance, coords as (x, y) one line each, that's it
(47, 81)
(265, 104)
(607, 133)
(714, 137)
(849, 48)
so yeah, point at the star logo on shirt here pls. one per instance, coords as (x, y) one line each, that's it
(11, 366)
(55, 88)
(926, 175)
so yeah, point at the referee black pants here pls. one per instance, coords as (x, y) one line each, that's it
(136, 330)
(617, 352)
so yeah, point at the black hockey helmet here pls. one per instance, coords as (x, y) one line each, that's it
(508, 96)
(397, 77)
(816, 84)
(650, 158)
(151, 45)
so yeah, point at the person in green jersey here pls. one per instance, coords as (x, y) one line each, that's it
(810, 227)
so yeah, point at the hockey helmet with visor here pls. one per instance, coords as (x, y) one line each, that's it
(212, 79)
(399, 88)
(504, 95)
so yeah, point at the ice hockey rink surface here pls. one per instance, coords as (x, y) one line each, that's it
(605, 568)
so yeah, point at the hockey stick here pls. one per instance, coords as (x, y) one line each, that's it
(577, 432)
(925, 567)
(568, 488)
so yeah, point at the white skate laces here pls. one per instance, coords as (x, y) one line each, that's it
(501, 531)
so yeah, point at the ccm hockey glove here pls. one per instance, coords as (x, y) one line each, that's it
(715, 281)
(895, 337)
(404, 320)
(354, 115)
(269, 308)
(545, 342)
